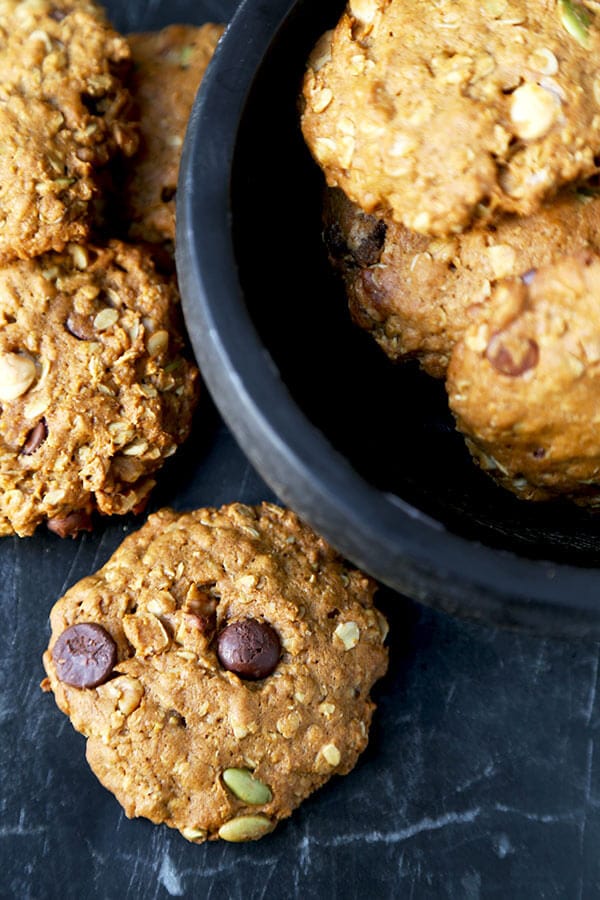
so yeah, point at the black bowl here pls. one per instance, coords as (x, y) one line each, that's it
(364, 451)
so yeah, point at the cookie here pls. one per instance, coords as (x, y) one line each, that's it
(169, 66)
(94, 391)
(63, 114)
(524, 383)
(435, 114)
(417, 295)
(220, 666)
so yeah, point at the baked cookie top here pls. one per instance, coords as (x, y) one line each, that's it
(433, 113)
(417, 295)
(63, 113)
(94, 391)
(524, 383)
(168, 68)
(231, 674)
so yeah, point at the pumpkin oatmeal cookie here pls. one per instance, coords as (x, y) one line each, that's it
(438, 114)
(168, 68)
(417, 295)
(64, 113)
(524, 383)
(220, 666)
(94, 391)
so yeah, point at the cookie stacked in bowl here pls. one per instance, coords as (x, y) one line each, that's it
(461, 144)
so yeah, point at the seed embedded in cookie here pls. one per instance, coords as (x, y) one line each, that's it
(177, 732)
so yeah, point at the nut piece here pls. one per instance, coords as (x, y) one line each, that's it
(331, 754)
(146, 633)
(246, 828)
(348, 633)
(17, 374)
(243, 784)
(533, 111)
(364, 10)
(128, 692)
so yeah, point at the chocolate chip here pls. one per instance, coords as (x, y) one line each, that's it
(539, 453)
(71, 525)
(374, 292)
(84, 655)
(57, 14)
(368, 251)
(167, 194)
(506, 361)
(249, 648)
(35, 438)
(81, 327)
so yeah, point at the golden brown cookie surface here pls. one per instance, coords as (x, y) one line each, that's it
(169, 66)
(417, 295)
(524, 383)
(175, 732)
(427, 111)
(94, 392)
(63, 113)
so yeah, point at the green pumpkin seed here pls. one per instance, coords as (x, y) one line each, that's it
(576, 20)
(246, 828)
(243, 784)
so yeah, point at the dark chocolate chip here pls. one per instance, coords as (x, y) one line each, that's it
(57, 14)
(506, 361)
(374, 292)
(84, 655)
(81, 327)
(71, 525)
(35, 438)
(539, 453)
(249, 648)
(167, 194)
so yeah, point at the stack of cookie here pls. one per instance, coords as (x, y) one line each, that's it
(96, 389)
(461, 144)
(220, 663)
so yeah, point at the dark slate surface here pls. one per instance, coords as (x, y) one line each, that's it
(481, 779)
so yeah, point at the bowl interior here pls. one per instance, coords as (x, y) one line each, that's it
(391, 422)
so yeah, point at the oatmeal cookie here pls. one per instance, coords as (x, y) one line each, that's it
(417, 295)
(169, 66)
(437, 113)
(220, 666)
(63, 113)
(524, 383)
(94, 391)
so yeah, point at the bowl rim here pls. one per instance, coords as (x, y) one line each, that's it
(395, 542)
